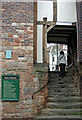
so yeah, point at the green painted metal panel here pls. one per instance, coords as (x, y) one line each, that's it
(10, 88)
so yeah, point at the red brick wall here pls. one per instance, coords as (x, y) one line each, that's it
(17, 36)
(40, 78)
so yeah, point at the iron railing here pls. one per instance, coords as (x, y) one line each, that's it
(40, 90)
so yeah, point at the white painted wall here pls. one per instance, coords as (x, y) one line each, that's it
(39, 44)
(66, 11)
(45, 9)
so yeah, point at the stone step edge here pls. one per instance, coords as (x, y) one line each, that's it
(67, 98)
(62, 103)
(74, 110)
(69, 116)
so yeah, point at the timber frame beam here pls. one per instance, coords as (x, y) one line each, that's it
(49, 23)
(35, 33)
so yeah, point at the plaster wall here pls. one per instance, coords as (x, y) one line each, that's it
(66, 11)
(45, 9)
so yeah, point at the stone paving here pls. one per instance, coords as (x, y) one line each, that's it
(64, 101)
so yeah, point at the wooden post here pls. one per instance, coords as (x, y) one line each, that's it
(35, 33)
(55, 11)
(45, 40)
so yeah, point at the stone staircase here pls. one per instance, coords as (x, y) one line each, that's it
(64, 101)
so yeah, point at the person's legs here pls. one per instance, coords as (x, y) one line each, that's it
(61, 70)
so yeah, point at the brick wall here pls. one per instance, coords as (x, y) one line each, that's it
(79, 47)
(40, 78)
(17, 36)
(79, 30)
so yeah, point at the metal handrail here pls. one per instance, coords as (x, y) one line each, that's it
(39, 90)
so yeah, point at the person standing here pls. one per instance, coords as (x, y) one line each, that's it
(62, 63)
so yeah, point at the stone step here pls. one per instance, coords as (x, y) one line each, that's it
(65, 99)
(53, 79)
(61, 82)
(62, 112)
(62, 96)
(61, 86)
(58, 73)
(64, 90)
(56, 117)
(62, 105)
(64, 93)
(58, 76)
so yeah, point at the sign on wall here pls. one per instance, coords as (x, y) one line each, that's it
(8, 54)
(10, 88)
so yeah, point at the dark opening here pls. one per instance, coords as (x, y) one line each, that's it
(61, 37)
